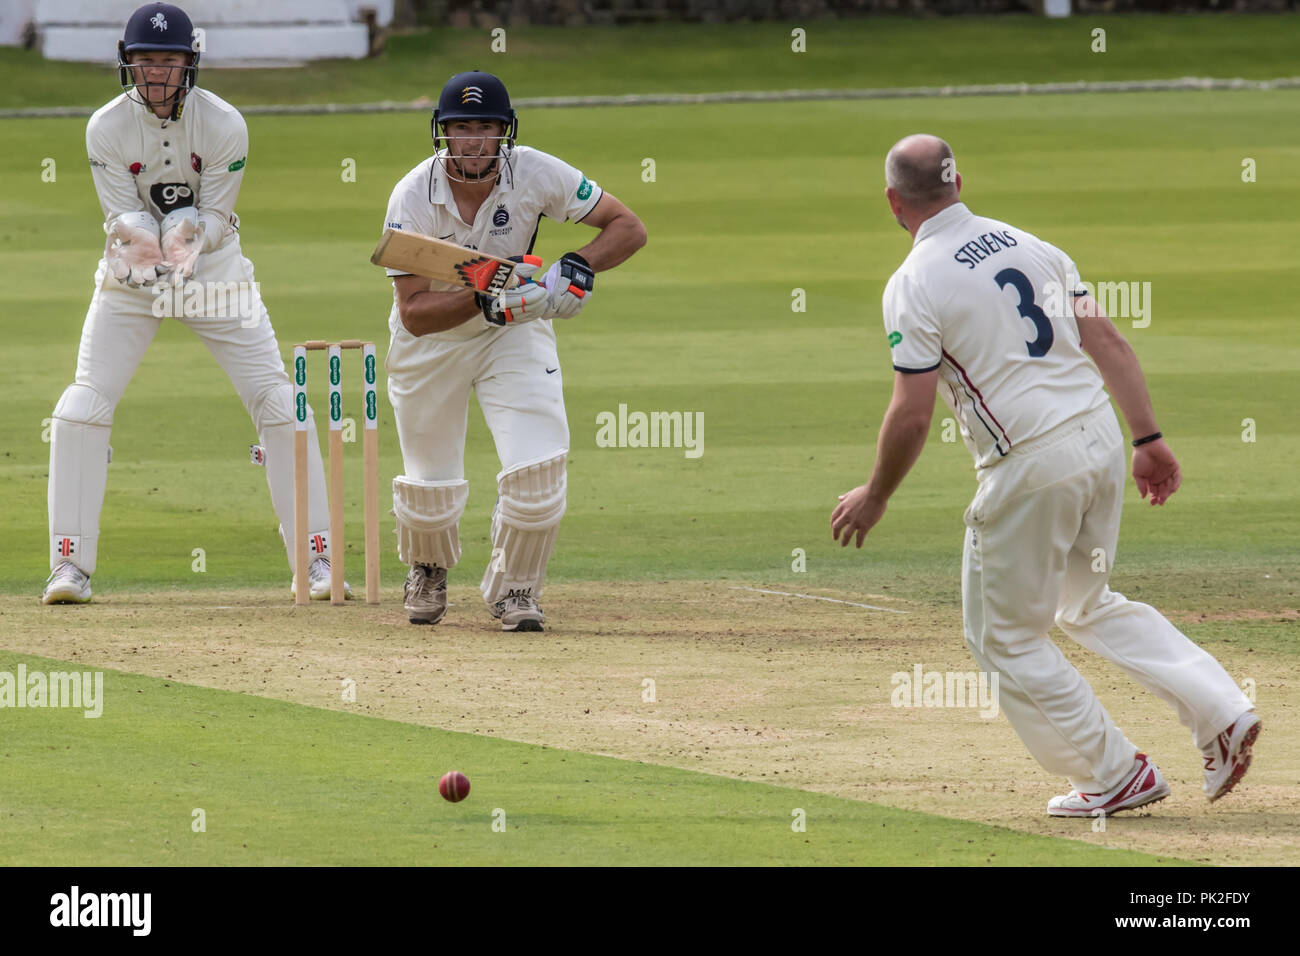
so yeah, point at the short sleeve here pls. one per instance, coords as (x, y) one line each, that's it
(913, 330)
(1066, 270)
(1064, 287)
(568, 193)
(410, 210)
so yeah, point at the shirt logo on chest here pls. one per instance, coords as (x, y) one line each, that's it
(501, 220)
(169, 196)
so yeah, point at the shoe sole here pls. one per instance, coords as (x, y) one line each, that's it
(528, 624)
(1148, 799)
(425, 620)
(1242, 763)
(65, 599)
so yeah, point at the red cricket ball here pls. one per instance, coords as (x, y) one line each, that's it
(454, 786)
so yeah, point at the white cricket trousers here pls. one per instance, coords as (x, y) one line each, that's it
(120, 324)
(430, 378)
(1039, 547)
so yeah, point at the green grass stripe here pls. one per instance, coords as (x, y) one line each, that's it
(284, 784)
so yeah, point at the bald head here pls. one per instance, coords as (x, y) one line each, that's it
(921, 169)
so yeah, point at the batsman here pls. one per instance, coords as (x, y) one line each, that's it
(481, 190)
(168, 158)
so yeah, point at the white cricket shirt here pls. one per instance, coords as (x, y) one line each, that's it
(142, 163)
(534, 184)
(991, 307)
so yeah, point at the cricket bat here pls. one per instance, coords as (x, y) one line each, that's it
(445, 261)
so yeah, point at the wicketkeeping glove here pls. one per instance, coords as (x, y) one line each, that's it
(520, 303)
(182, 241)
(568, 286)
(132, 253)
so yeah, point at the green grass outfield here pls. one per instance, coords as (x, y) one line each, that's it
(787, 197)
(749, 203)
(285, 785)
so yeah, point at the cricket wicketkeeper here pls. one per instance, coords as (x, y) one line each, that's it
(167, 159)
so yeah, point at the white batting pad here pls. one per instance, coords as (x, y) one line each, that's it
(428, 519)
(525, 524)
(79, 435)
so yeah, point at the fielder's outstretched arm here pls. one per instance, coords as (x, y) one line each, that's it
(1117, 363)
(1155, 469)
(902, 436)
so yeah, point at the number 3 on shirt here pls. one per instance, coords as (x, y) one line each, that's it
(1029, 310)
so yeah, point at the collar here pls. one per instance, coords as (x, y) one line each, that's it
(163, 122)
(942, 220)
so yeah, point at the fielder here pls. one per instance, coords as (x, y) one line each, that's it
(167, 159)
(971, 313)
(482, 191)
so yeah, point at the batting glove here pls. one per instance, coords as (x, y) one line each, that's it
(182, 241)
(132, 253)
(520, 303)
(568, 286)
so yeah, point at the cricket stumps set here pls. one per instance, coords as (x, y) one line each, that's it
(370, 454)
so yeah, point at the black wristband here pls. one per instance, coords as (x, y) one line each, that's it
(484, 302)
(1154, 436)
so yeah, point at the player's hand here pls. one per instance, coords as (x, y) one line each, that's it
(520, 303)
(132, 253)
(1156, 471)
(857, 513)
(182, 241)
(568, 286)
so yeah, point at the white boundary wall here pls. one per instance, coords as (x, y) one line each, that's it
(243, 31)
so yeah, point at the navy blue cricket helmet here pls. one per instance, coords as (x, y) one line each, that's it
(161, 27)
(474, 95)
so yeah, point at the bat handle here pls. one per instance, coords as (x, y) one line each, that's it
(529, 260)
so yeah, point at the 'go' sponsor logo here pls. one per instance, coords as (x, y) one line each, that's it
(300, 401)
(300, 370)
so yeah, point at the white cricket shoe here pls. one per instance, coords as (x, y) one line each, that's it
(1228, 758)
(1144, 785)
(519, 612)
(318, 581)
(67, 584)
(425, 593)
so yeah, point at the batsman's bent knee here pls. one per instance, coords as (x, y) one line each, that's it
(428, 519)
